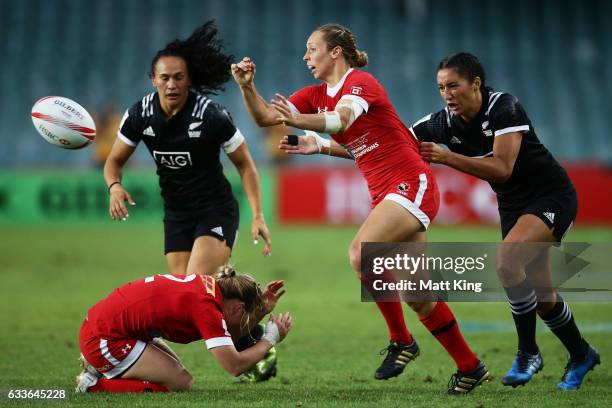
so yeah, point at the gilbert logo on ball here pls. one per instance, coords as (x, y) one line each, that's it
(63, 122)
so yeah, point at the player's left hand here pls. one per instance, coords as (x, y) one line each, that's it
(281, 105)
(273, 291)
(306, 145)
(433, 153)
(259, 228)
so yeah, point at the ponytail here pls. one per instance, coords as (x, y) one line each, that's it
(241, 287)
(207, 63)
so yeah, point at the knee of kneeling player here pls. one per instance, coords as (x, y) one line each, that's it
(181, 382)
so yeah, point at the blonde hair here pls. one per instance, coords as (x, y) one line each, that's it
(242, 287)
(336, 35)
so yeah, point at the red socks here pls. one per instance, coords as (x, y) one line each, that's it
(391, 308)
(442, 324)
(394, 316)
(126, 385)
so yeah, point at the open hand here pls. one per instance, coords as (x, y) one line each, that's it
(307, 144)
(283, 110)
(283, 321)
(118, 196)
(259, 228)
(272, 293)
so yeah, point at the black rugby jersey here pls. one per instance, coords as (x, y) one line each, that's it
(186, 151)
(535, 173)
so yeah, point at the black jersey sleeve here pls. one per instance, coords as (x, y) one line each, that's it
(434, 127)
(129, 128)
(222, 126)
(506, 115)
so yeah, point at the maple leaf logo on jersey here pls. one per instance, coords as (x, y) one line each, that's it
(356, 90)
(403, 188)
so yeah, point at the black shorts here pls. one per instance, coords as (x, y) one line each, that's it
(558, 211)
(180, 234)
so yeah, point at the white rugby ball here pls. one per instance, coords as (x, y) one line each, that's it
(63, 122)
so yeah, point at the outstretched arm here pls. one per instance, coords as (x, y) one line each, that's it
(113, 167)
(241, 157)
(312, 143)
(337, 121)
(496, 168)
(262, 113)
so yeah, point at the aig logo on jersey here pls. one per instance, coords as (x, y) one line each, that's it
(173, 160)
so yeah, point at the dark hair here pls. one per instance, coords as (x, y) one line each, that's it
(336, 35)
(242, 287)
(467, 65)
(207, 64)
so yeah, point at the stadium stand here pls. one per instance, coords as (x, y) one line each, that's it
(552, 54)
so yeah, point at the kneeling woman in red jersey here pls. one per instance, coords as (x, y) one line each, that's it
(120, 339)
(353, 107)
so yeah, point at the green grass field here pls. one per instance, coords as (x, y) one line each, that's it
(52, 274)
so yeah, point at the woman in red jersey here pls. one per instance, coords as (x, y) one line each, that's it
(353, 107)
(120, 339)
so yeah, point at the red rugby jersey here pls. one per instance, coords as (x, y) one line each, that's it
(383, 147)
(179, 308)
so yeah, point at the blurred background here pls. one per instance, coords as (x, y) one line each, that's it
(554, 55)
(60, 252)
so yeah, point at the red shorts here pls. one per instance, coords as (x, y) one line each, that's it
(111, 357)
(419, 195)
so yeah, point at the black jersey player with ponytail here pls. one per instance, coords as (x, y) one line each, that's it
(184, 130)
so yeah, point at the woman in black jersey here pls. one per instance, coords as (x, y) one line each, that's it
(489, 136)
(184, 132)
